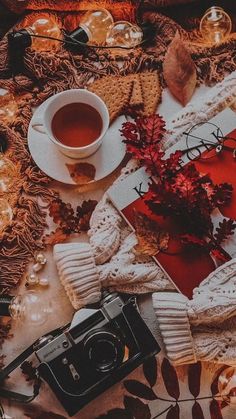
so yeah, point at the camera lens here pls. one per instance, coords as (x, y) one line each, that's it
(104, 350)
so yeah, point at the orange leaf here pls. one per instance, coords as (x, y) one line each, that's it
(81, 173)
(151, 239)
(179, 71)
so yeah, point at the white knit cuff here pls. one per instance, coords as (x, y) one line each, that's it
(172, 318)
(78, 273)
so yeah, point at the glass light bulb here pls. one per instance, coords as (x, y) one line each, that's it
(227, 385)
(8, 108)
(6, 213)
(96, 23)
(7, 174)
(124, 34)
(45, 26)
(215, 25)
(30, 307)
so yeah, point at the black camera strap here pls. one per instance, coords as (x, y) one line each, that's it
(5, 372)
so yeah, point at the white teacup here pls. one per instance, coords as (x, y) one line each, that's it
(43, 123)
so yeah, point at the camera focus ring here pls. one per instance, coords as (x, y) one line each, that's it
(104, 349)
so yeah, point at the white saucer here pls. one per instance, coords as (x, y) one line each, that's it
(52, 162)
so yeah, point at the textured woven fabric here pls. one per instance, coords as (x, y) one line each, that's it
(210, 315)
(78, 273)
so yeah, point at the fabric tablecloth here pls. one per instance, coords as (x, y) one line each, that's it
(114, 398)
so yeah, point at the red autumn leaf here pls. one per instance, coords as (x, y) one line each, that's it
(173, 413)
(170, 379)
(129, 130)
(215, 410)
(137, 408)
(214, 384)
(142, 135)
(222, 194)
(197, 412)
(151, 239)
(151, 129)
(226, 228)
(179, 191)
(150, 370)
(185, 185)
(194, 378)
(139, 389)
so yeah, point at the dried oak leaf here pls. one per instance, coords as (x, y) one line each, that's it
(82, 173)
(151, 239)
(179, 71)
(84, 213)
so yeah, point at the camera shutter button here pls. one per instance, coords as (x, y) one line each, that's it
(65, 344)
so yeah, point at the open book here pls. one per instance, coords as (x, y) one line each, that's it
(188, 266)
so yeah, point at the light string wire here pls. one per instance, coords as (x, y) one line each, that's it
(74, 42)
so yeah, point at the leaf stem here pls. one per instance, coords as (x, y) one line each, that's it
(200, 398)
(189, 400)
(163, 411)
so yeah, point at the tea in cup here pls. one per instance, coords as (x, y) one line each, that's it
(75, 121)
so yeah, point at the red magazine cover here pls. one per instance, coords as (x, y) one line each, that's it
(215, 141)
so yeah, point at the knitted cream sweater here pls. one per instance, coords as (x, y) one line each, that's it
(201, 329)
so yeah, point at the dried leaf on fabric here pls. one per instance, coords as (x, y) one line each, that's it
(225, 229)
(151, 239)
(179, 71)
(170, 379)
(81, 173)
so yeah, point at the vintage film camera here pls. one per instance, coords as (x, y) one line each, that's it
(99, 348)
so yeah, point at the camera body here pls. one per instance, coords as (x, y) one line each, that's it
(100, 347)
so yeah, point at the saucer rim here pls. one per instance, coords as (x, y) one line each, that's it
(68, 159)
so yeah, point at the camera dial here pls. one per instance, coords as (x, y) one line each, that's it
(104, 350)
(41, 342)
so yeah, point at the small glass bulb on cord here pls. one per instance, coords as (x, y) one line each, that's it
(95, 24)
(124, 34)
(30, 307)
(215, 25)
(45, 26)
